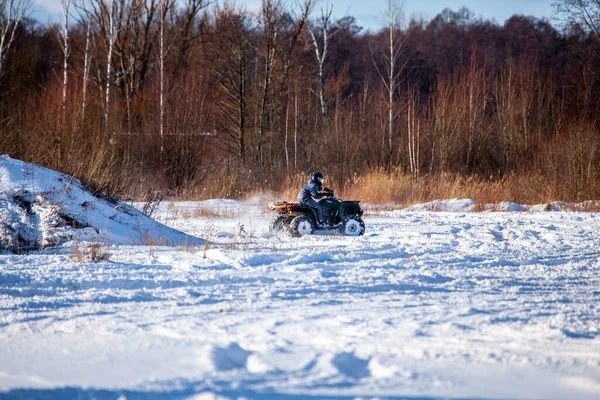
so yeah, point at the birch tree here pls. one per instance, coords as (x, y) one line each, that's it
(288, 60)
(161, 57)
(64, 39)
(320, 42)
(136, 42)
(413, 135)
(112, 13)
(85, 18)
(389, 74)
(12, 13)
(86, 67)
(108, 14)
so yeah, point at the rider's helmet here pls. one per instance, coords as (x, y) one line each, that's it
(318, 177)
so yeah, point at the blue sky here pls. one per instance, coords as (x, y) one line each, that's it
(369, 12)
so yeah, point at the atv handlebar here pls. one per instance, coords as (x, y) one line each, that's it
(328, 194)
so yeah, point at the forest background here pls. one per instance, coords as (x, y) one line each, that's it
(153, 99)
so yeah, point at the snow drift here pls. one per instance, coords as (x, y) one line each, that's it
(42, 208)
(470, 205)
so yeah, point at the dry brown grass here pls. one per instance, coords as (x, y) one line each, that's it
(200, 212)
(585, 206)
(214, 213)
(380, 187)
(391, 190)
(591, 206)
(90, 253)
(292, 185)
(146, 239)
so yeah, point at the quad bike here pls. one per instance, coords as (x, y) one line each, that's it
(299, 219)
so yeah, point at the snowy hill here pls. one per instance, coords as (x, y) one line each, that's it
(42, 208)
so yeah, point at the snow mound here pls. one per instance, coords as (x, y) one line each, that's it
(453, 205)
(470, 205)
(505, 206)
(41, 208)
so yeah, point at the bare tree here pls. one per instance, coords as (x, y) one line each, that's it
(321, 48)
(444, 126)
(64, 38)
(473, 106)
(128, 50)
(229, 50)
(85, 18)
(12, 13)
(108, 14)
(188, 31)
(86, 67)
(586, 12)
(287, 55)
(161, 58)
(391, 69)
(414, 135)
(271, 12)
(582, 12)
(112, 13)
(288, 60)
(136, 42)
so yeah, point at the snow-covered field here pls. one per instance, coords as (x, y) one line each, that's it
(425, 305)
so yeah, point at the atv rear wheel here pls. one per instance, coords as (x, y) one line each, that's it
(277, 225)
(301, 226)
(353, 226)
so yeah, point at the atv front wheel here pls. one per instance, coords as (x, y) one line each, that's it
(301, 226)
(277, 225)
(353, 226)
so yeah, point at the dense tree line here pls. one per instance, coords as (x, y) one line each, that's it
(193, 98)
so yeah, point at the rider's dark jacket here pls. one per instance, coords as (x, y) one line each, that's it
(310, 190)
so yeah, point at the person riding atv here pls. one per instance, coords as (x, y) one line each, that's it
(312, 192)
(317, 210)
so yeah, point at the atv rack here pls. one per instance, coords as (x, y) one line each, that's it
(282, 205)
